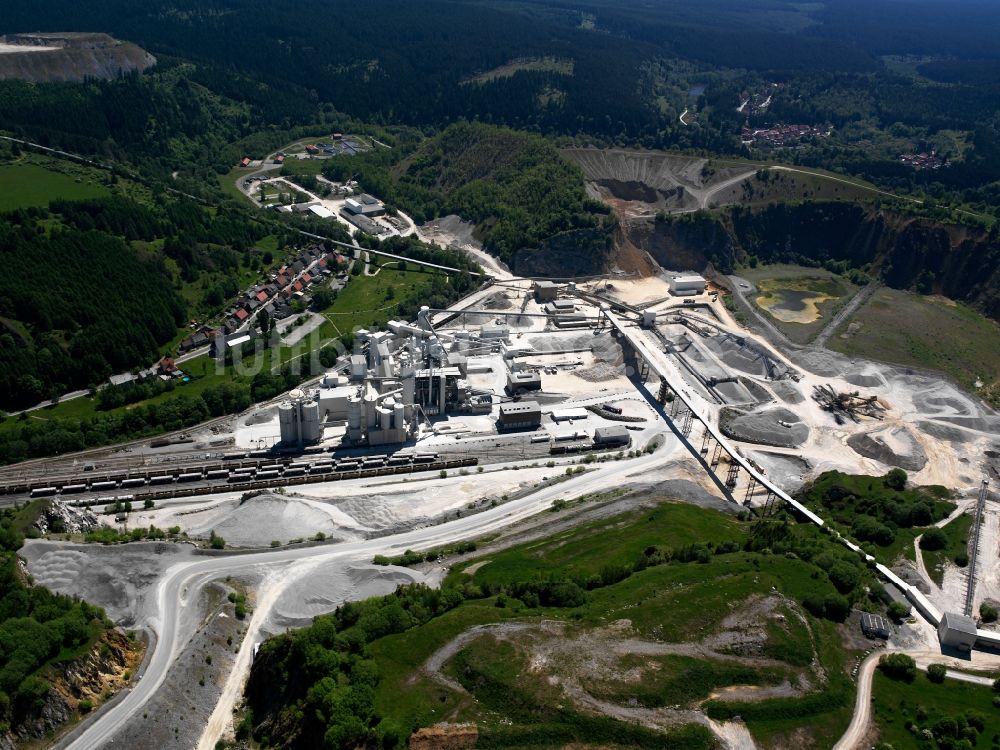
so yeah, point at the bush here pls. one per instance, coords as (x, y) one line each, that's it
(936, 673)
(898, 667)
(933, 539)
(988, 612)
(86, 706)
(895, 479)
(961, 559)
(216, 541)
(898, 611)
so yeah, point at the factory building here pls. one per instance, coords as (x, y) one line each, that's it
(687, 284)
(299, 420)
(523, 380)
(520, 415)
(613, 435)
(957, 631)
(364, 205)
(407, 374)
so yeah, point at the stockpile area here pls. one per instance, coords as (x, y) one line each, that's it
(775, 426)
(892, 446)
(267, 517)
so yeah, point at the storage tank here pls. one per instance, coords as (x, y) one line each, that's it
(311, 428)
(288, 422)
(398, 416)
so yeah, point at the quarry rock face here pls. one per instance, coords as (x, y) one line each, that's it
(69, 57)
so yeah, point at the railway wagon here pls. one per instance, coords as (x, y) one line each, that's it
(97, 486)
(161, 479)
(68, 489)
(191, 476)
(217, 474)
(43, 492)
(133, 482)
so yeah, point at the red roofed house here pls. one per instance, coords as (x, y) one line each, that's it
(245, 161)
(279, 159)
(262, 296)
(306, 278)
(241, 315)
(297, 286)
(312, 149)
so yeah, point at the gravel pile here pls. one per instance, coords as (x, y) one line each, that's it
(268, 517)
(893, 447)
(762, 426)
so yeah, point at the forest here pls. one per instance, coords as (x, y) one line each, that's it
(403, 65)
(112, 288)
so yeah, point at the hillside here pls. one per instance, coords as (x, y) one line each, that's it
(59, 656)
(69, 57)
(626, 631)
(528, 202)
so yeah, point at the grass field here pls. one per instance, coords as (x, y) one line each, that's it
(957, 533)
(518, 703)
(560, 65)
(926, 332)
(29, 184)
(898, 705)
(799, 301)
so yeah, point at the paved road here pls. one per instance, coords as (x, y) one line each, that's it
(180, 585)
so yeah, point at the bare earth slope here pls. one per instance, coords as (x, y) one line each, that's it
(68, 57)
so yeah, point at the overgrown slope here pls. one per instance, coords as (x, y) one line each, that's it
(528, 202)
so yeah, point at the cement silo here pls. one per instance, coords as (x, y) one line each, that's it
(354, 417)
(288, 421)
(310, 427)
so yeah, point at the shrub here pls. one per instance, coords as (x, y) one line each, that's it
(988, 612)
(898, 667)
(275, 543)
(215, 541)
(936, 672)
(933, 539)
(895, 479)
(898, 611)
(86, 706)
(961, 559)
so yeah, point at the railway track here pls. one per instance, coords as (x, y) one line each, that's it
(241, 470)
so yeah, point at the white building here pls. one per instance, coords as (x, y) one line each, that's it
(364, 205)
(687, 284)
(321, 211)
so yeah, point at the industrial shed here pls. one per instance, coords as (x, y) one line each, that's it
(520, 415)
(957, 631)
(616, 434)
